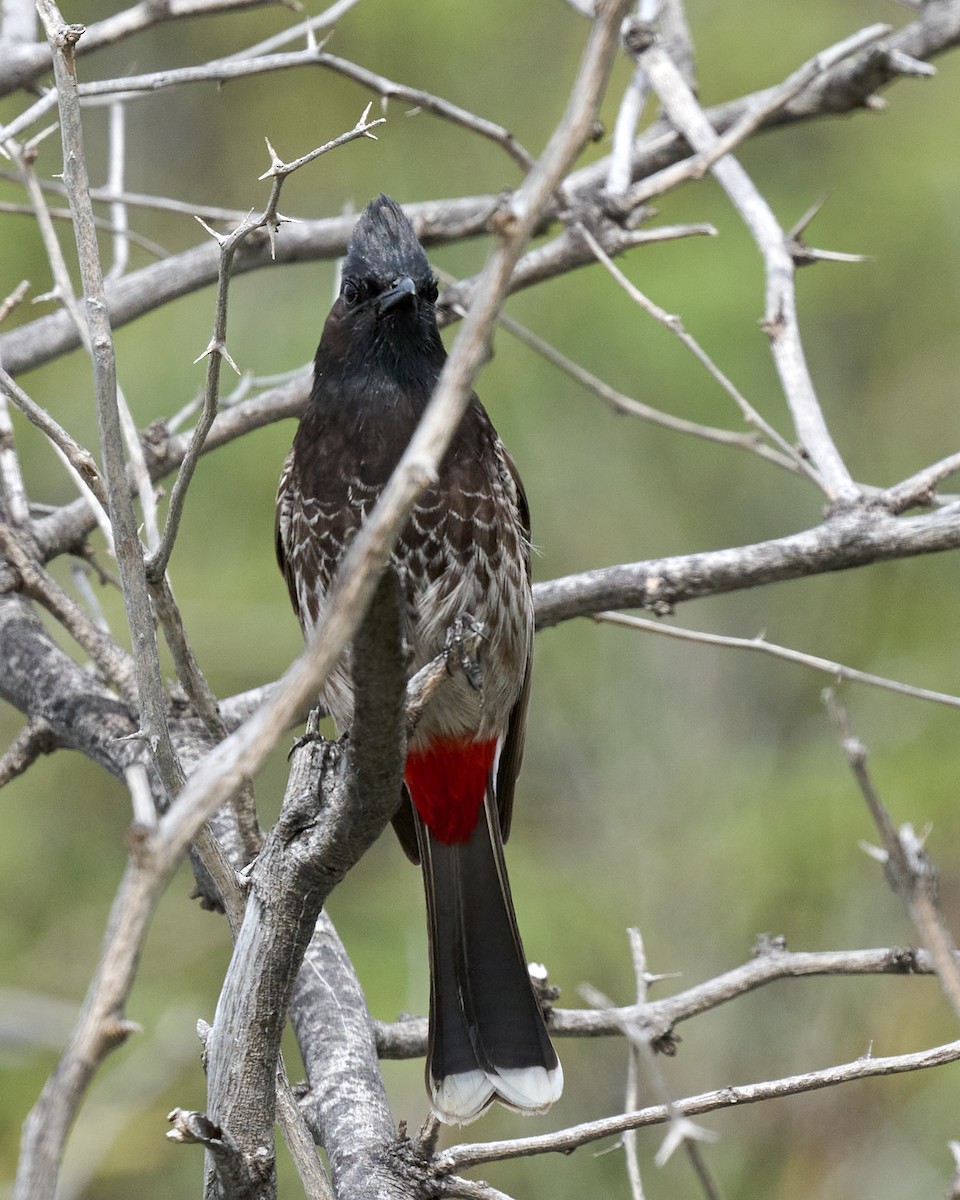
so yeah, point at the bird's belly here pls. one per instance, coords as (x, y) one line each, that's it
(458, 708)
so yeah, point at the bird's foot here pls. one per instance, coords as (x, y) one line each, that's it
(461, 649)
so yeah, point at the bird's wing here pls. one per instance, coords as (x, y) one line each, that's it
(511, 752)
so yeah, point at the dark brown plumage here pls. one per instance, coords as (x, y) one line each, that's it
(465, 555)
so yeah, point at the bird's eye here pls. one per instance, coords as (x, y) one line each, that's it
(430, 292)
(350, 292)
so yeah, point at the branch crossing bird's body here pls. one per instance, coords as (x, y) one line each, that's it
(464, 556)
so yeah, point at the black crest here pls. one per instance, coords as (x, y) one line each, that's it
(384, 245)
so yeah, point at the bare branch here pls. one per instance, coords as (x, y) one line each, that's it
(113, 662)
(35, 739)
(845, 539)
(407, 1038)
(907, 866)
(675, 325)
(780, 320)
(14, 505)
(78, 456)
(920, 489)
(306, 854)
(216, 350)
(22, 65)
(636, 408)
(127, 542)
(760, 643)
(456, 1158)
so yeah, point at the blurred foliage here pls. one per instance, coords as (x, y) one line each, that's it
(697, 793)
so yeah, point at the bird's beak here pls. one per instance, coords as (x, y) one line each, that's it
(399, 290)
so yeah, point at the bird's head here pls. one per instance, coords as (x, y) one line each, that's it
(381, 338)
(386, 277)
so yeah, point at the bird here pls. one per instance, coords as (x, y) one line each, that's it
(463, 563)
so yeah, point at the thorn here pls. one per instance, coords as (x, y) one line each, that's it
(807, 217)
(682, 1130)
(218, 238)
(276, 162)
(225, 354)
(875, 852)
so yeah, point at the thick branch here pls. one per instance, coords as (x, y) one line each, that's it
(346, 1106)
(851, 539)
(318, 837)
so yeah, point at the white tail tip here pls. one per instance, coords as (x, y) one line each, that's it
(460, 1099)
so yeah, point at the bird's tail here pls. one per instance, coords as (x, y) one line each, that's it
(487, 1036)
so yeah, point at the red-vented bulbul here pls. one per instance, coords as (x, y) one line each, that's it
(464, 555)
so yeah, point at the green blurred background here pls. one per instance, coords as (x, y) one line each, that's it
(696, 793)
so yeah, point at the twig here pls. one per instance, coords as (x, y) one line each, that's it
(115, 175)
(804, 255)
(675, 325)
(432, 104)
(470, 1189)
(14, 505)
(305, 29)
(15, 297)
(204, 703)
(682, 1132)
(561, 255)
(780, 320)
(114, 663)
(760, 643)
(632, 1096)
(64, 214)
(152, 700)
(907, 867)
(19, 71)
(36, 738)
(920, 489)
(216, 349)
(78, 456)
(629, 406)
(624, 130)
(25, 158)
(846, 539)
(456, 1158)
(628, 115)
(137, 469)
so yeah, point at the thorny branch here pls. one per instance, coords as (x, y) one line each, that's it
(866, 532)
(907, 866)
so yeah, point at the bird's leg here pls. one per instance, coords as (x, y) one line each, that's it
(461, 648)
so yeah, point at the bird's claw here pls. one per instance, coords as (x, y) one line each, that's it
(462, 649)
